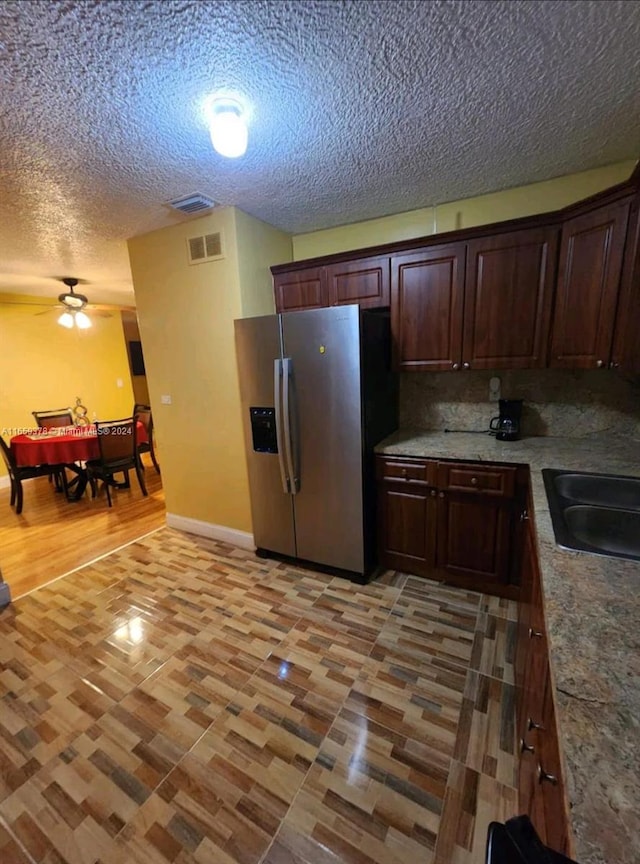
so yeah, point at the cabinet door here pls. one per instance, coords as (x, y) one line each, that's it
(427, 291)
(588, 282)
(625, 354)
(365, 282)
(508, 295)
(528, 575)
(301, 289)
(474, 537)
(406, 513)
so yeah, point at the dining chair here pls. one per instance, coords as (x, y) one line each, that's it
(143, 414)
(53, 419)
(19, 473)
(118, 453)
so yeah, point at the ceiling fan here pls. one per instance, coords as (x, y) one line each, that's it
(70, 298)
(74, 304)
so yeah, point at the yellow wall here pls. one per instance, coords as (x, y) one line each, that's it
(186, 314)
(494, 207)
(259, 246)
(43, 365)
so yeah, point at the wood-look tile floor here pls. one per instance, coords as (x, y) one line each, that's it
(53, 536)
(184, 701)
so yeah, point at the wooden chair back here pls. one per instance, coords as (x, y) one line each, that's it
(53, 419)
(117, 441)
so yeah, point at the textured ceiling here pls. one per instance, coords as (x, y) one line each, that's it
(359, 109)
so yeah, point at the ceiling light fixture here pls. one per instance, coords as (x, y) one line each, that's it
(75, 318)
(66, 319)
(228, 127)
(83, 322)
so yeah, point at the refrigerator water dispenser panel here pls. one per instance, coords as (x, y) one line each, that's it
(263, 430)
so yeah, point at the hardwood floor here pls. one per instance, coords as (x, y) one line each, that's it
(181, 700)
(53, 536)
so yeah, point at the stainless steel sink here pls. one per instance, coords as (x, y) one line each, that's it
(600, 490)
(597, 513)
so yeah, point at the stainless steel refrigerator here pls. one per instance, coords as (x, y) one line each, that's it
(317, 395)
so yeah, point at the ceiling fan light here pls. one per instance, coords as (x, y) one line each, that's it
(66, 320)
(83, 321)
(228, 128)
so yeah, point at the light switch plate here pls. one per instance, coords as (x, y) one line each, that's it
(119, 382)
(165, 399)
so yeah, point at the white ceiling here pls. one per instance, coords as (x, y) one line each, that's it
(359, 109)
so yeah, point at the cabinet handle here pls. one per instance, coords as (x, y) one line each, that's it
(532, 725)
(526, 748)
(440, 494)
(455, 365)
(524, 516)
(433, 493)
(613, 365)
(535, 634)
(404, 473)
(599, 363)
(474, 481)
(543, 777)
(466, 366)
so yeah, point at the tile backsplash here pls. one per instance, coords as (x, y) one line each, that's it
(556, 402)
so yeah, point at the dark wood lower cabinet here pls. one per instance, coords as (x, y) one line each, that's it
(474, 538)
(449, 520)
(541, 788)
(407, 518)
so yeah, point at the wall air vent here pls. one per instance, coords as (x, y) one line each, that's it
(195, 203)
(207, 247)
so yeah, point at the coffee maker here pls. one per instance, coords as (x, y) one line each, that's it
(507, 424)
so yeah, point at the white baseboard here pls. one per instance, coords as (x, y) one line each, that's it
(242, 539)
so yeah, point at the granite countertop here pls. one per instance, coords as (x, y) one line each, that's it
(592, 606)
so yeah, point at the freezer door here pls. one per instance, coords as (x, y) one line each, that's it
(259, 366)
(323, 346)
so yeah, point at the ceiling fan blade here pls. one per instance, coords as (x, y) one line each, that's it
(48, 311)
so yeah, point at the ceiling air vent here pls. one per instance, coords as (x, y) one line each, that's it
(208, 247)
(195, 203)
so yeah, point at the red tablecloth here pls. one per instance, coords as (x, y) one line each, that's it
(78, 445)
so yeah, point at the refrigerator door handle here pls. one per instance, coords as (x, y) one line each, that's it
(277, 394)
(294, 485)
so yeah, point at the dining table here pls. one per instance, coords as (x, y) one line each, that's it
(66, 446)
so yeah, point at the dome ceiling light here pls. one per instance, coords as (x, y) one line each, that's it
(228, 127)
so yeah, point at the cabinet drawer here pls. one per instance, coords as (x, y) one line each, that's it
(415, 470)
(495, 480)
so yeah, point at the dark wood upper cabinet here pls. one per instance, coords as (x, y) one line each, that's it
(508, 299)
(554, 289)
(427, 296)
(625, 354)
(365, 281)
(300, 289)
(591, 256)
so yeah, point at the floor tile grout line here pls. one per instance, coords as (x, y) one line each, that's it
(335, 719)
(328, 732)
(205, 731)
